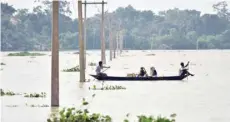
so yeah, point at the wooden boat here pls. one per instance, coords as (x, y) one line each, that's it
(117, 78)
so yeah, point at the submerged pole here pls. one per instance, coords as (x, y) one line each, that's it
(114, 46)
(118, 42)
(85, 39)
(55, 57)
(197, 45)
(81, 42)
(103, 59)
(110, 45)
(121, 41)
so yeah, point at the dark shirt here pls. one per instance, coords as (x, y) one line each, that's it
(142, 72)
(154, 73)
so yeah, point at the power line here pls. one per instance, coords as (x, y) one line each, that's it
(103, 58)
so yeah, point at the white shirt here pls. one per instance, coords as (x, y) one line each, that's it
(98, 69)
(181, 69)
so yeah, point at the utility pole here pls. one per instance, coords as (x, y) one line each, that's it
(118, 41)
(55, 56)
(124, 44)
(151, 43)
(114, 46)
(110, 41)
(81, 42)
(121, 41)
(85, 39)
(103, 59)
(94, 39)
(197, 45)
(120, 37)
(103, 35)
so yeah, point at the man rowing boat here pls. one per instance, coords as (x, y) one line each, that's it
(99, 68)
(184, 70)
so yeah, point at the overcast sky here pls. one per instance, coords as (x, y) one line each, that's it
(205, 6)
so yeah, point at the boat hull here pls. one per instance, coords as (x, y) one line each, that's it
(115, 78)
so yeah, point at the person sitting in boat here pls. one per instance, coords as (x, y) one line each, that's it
(153, 72)
(184, 69)
(142, 72)
(99, 68)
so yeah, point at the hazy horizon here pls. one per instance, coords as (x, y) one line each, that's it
(205, 6)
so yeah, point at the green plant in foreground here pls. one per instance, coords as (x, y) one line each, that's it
(25, 54)
(79, 115)
(74, 69)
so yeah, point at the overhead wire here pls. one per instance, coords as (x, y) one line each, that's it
(97, 7)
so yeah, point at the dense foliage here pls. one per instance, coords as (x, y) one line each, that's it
(170, 29)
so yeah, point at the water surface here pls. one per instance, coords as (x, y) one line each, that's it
(203, 98)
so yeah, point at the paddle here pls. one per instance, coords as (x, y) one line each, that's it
(188, 64)
(106, 69)
(103, 71)
(188, 67)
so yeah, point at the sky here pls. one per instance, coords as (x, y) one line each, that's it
(205, 6)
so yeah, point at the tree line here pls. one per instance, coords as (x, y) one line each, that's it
(23, 30)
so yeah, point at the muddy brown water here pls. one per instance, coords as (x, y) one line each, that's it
(203, 98)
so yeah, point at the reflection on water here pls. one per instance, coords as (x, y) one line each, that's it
(203, 98)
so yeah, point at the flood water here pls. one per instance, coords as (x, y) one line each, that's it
(202, 98)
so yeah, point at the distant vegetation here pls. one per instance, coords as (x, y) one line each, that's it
(170, 29)
(25, 54)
